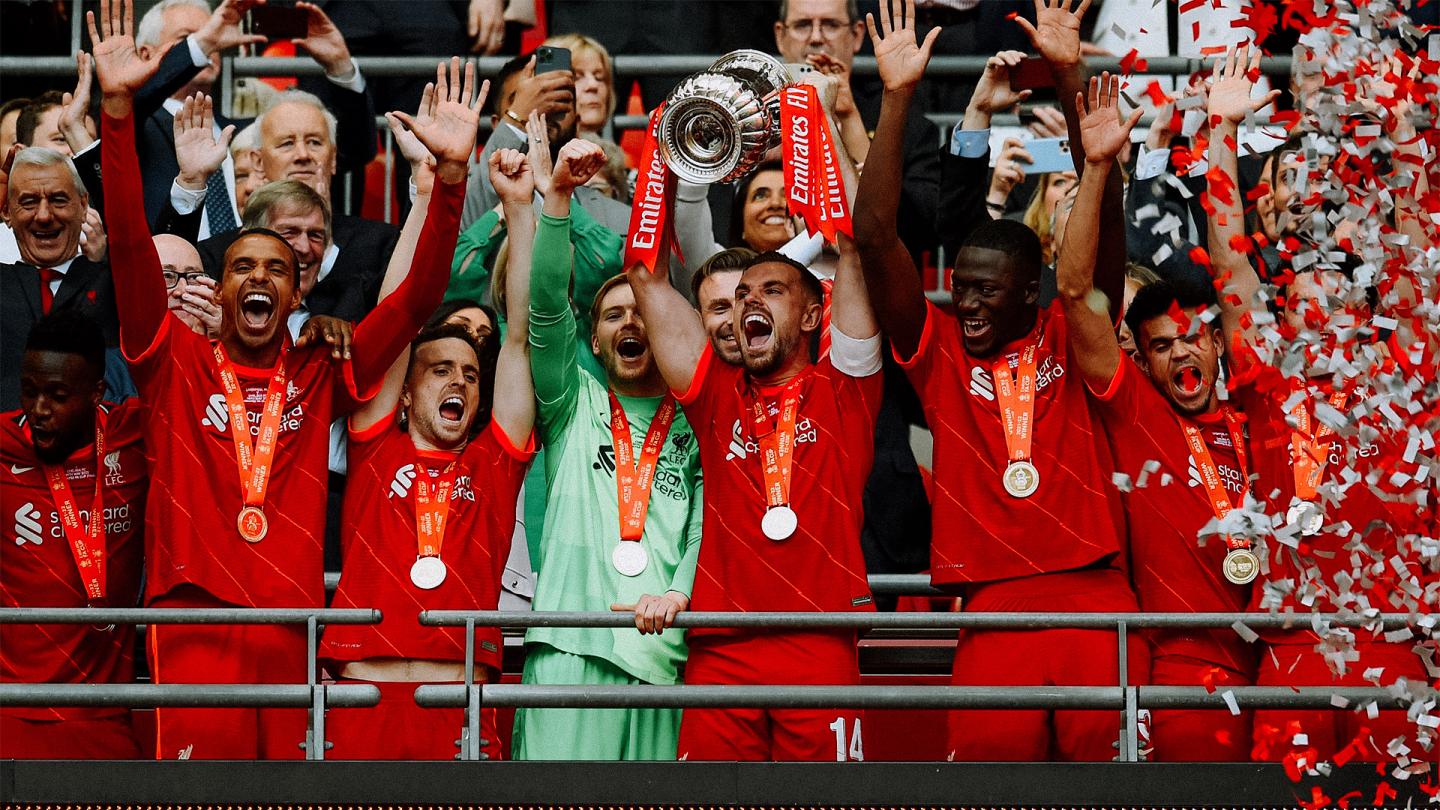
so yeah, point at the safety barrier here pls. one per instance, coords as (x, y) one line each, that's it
(312, 695)
(1128, 698)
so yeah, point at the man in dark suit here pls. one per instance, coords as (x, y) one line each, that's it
(46, 203)
(195, 38)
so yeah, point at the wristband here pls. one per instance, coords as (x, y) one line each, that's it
(513, 117)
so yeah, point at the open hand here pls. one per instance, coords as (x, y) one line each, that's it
(1101, 131)
(449, 120)
(118, 65)
(539, 152)
(900, 59)
(511, 176)
(333, 331)
(75, 107)
(655, 613)
(1231, 85)
(1056, 32)
(197, 151)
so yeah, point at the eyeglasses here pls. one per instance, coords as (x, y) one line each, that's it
(829, 28)
(173, 278)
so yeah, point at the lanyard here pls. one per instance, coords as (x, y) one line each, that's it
(1308, 453)
(87, 543)
(431, 512)
(1210, 472)
(1017, 402)
(777, 442)
(633, 479)
(254, 461)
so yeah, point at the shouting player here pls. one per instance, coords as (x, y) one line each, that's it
(786, 444)
(1021, 468)
(73, 476)
(622, 478)
(436, 462)
(1174, 418)
(235, 517)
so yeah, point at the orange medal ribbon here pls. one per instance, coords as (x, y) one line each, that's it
(633, 480)
(431, 512)
(1308, 453)
(254, 461)
(87, 543)
(1210, 473)
(1017, 402)
(777, 442)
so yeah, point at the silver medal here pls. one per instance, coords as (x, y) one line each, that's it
(629, 558)
(427, 573)
(779, 523)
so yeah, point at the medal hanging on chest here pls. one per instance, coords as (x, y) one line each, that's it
(255, 461)
(1016, 393)
(776, 438)
(432, 511)
(87, 542)
(1240, 565)
(1309, 455)
(634, 480)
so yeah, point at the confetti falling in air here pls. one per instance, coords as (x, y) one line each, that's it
(1350, 329)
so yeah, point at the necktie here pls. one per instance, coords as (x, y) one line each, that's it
(47, 277)
(217, 204)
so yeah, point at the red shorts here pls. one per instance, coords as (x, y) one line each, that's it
(224, 654)
(1044, 658)
(1197, 735)
(397, 728)
(105, 735)
(1330, 731)
(780, 735)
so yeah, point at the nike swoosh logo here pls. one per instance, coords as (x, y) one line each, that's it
(16, 469)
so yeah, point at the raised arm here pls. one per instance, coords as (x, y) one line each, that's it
(139, 286)
(673, 327)
(447, 128)
(1229, 103)
(514, 402)
(898, 298)
(1093, 343)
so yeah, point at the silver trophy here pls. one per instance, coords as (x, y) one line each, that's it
(719, 124)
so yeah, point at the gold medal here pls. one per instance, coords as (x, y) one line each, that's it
(252, 524)
(1021, 479)
(1241, 566)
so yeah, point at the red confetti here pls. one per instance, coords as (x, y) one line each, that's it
(1131, 62)
(1383, 793)
(1258, 17)
(1157, 94)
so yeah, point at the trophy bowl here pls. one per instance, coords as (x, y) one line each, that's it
(718, 124)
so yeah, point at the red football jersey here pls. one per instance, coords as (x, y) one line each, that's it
(195, 493)
(379, 543)
(983, 534)
(820, 566)
(1171, 570)
(38, 569)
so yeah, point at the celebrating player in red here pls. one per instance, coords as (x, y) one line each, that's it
(1349, 541)
(235, 518)
(1021, 469)
(1184, 451)
(73, 479)
(785, 447)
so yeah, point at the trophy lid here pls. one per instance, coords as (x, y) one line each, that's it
(768, 70)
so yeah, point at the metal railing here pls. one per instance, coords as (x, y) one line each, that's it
(1126, 697)
(312, 695)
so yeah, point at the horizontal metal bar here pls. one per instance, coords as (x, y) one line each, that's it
(862, 621)
(895, 697)
(186, 616)
(631, 66)
(148, 696)
(902, 585)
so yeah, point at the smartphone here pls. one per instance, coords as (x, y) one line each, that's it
(798, 70)
(549, 59)
(279, 22)
(1050, 154)
(1031, 74)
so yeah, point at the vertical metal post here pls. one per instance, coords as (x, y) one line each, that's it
(227, 86)
(315, 729)
(77, 12)
(349, 190)
(470, 734)
(1129, 730)
(389, 174)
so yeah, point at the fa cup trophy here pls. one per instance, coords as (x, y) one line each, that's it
(719, 124)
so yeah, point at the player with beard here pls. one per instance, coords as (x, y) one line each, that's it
(622, 475)
(252, 537)
(1174, 419)
(1357, 542)
(435, 450)
(713, 288)
(73, 476)
(786, 444)
(1021, 465)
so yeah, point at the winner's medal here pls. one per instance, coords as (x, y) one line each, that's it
(634, 479)
(1308, 516)
(432, 510)
(427, 573)
(252, 524)
(1308, 457)
(1016, 393)
(255, 461)
(1021, 479)
(776, 438)
(1241, 565)
(87, 542)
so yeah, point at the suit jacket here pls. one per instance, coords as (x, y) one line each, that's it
(155, 130)
(350, 289)
(963, 184)
(87, 287)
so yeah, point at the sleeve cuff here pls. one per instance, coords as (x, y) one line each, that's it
(686, 191)
(1114, 386)
(927, 334)
(185, 200)
(197, 56)
(370, 433)
(354, 81)
(969, 143)
(707, 358)
(522, 452)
